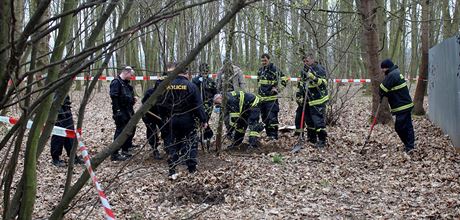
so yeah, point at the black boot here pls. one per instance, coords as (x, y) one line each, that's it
(79, 160)
(320, 144)
(58, 163)
(118, 157)
(322, 135)
(311, 134)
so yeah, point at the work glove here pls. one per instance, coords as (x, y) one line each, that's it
(311, 76)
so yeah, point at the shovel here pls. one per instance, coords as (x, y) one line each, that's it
(299, 144)
(363, 151)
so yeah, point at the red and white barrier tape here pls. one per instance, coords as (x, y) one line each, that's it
(293, 79)
(104, 201)
(63, 132)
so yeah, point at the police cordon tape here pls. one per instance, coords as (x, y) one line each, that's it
(63, 132)
(147, 78)
(293, 79)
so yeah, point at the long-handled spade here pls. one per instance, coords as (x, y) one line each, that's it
(363, 151)
(299, 144)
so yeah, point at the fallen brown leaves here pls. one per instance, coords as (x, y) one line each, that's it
(336, 182)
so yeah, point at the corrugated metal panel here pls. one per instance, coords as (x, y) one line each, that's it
(444, 87)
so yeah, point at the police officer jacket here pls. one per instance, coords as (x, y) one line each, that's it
(317, 87)
(182, 97)
(239, 102)
(206, 86)
(64, 117)
(122, 95)
(268, 77)
(395, 88)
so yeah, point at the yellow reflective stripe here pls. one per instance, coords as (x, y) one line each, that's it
(234, 114)
(299, 130)
(402, 85)
(233, 93)
(404, 107)
(320, 129)
(267, 82)
(383, 87)
(239, 130)
(254, 134)
(401, 76)
(268, 98)
(319, 101)
(241, 101)
(256, 101)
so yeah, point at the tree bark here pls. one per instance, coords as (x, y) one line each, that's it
(423, 70)
(368, 12)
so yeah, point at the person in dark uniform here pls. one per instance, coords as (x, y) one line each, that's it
(394, 87)
(208, 88)
(122, 95)
(314, 80)
(244, 111)
(64, 120)
(269, 78)
(153, 122)
(181, 106)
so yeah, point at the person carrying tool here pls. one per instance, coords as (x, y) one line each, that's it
(269, 78)
(244, 111)
(394, 87)
(122, 95)
(208, 89)
(154, 123)
(180, 106)
(313, 87)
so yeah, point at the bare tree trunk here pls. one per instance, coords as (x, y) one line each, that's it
(228, 71)
(30, 158)
(423, 71)
(368, 11)
(5, 27)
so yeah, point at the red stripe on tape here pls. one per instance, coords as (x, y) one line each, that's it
(70, 134)
(109, 212)
(13, 121)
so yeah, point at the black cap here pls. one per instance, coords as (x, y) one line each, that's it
(387, 63)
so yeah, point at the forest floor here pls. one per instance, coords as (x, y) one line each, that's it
(270, 183)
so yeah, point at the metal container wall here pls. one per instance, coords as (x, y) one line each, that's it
(444, 87)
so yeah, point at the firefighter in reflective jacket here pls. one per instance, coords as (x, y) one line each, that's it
(313, 80)
(208, 88)
(394, 87)
(244, 111)
(181, 105)
(269, 78)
